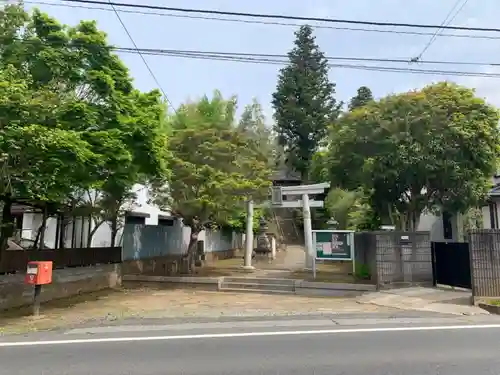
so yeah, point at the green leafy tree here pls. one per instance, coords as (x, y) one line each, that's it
(38, 164)
(253, 126)
(214, 167)
(304, 103)
(319, 167)
(362, 98)
(77, 85)
(433, 149)
(339, 203)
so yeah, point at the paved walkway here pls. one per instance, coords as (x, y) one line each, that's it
(425, 299)
(293, 259)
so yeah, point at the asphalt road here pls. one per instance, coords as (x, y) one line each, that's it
(374, 351)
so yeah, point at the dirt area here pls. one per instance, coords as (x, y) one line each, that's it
(160, 302)
(337, 272)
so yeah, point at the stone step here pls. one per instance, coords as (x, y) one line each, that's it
(258, 281)
(259, 291)
(258, 287)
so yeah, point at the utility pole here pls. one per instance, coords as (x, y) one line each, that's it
(247, 265)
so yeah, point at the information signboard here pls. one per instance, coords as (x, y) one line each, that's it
(333, 245)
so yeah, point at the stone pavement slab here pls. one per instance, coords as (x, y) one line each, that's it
(425, 299)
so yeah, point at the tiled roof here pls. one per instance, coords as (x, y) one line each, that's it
(285, 174)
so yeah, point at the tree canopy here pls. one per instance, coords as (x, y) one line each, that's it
(71, 116)
(304, 102)
(429, 149)
(362, 98)
(215, 166)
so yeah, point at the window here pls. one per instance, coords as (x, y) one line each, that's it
(447, 227)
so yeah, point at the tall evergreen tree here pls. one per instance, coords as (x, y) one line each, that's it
(362, 98)
(304, 102)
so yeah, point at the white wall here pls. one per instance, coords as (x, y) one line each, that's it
(486, 213)
(141, 205)
(102, 236)
(434, 224)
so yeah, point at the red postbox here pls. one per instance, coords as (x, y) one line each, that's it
(39, 273)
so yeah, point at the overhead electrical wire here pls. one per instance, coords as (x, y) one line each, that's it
(279, 60)
(282, 59)
(271, 23)
(283, 56)
(276, 59)
(452, 14)
(142, 57)
(282, 16)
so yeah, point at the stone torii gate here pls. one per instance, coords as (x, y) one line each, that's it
(277, 201)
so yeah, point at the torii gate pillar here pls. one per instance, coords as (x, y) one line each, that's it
(302, 190)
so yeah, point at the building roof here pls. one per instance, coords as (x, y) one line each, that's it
(284, 174)
(495, 192)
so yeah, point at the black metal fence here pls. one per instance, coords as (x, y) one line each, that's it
(451, 264)
(485, 262)
(394, 257)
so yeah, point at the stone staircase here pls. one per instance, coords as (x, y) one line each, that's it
(257, 285)
(286, 227)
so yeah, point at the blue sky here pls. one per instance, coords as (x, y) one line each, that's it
(183, 79)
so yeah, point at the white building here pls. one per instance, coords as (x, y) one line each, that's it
(491, 211)
(28, 222)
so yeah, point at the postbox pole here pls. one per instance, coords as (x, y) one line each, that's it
(37, 291)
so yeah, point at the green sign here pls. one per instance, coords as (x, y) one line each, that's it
(333, 245)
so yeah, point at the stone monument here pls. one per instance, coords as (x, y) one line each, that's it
(263, 242)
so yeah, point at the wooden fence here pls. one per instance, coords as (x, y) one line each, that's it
(16, 260)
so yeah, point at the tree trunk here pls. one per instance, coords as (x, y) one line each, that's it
(114, 230)
(40, 236)
(62, 231)
(44, 226)
(189, 260)
(7, 224)
(96, 225)
(304, 177)
(189, 263)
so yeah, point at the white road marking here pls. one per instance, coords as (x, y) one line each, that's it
(244, 334)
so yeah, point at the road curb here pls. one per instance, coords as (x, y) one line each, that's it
(300, 287)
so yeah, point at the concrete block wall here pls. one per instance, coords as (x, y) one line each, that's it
(66, 283)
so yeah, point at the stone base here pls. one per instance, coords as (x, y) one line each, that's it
(248, 268)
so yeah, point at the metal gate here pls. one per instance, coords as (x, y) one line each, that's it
(451, 264)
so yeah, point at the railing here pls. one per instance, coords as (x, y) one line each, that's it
(16, 260)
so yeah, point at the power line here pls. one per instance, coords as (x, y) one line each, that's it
(330, 58)
(282, 62)
(448, 19)
(283, 17)
(277, 59)
(142, 57)
(154, 51)
(283, 58)
(271, 23)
